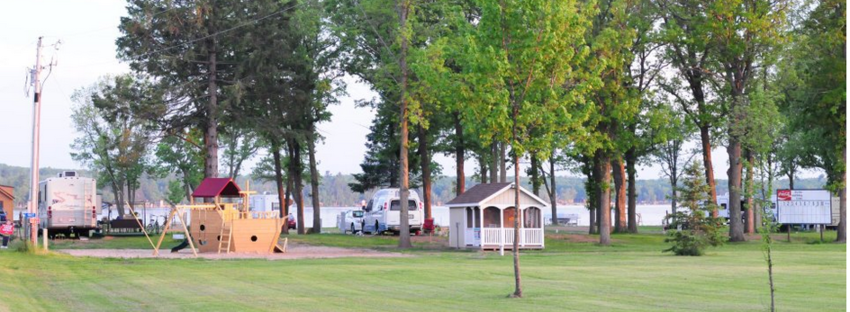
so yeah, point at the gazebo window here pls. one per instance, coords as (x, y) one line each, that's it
(492, 219)
(531, 217)
(510, 216)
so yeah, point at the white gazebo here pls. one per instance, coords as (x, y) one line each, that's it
(483, 217)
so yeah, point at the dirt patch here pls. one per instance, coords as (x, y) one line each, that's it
(294, 251)
(431, 242)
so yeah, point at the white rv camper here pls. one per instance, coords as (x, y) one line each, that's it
(67, 204)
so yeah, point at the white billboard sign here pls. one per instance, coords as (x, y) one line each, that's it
(804, 206)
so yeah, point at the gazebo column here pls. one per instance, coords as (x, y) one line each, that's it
(480, 226)
(502, 229)
(521, 226)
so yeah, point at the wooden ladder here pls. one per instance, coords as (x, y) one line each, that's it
(225, 236)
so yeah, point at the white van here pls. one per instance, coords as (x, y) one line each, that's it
(350, 221)
(382, 212)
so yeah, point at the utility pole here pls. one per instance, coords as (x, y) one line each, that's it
(36, 123)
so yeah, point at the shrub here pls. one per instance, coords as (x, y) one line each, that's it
(694, 229)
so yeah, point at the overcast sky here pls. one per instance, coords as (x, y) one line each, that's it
(88, 30)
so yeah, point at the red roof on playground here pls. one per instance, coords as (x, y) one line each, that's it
(212, 187)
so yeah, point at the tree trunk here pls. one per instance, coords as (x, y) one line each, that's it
(515, 138)
(494, 162)
(503, 172)
(482, 165)
(535, 174)
(604, 168)
(425, 161)
(518, 291)
(459, 156)
(748, 195)
(736, 230)
(119, 201)
(592, 225)
(842, 199)
(705, 137)
(278, 179)
(620, 187)
(673, 200)
(631, 161)
(404, 173)
(285, 204)
(211, 133)
(592, 192)
(297, 180)
(314, 181)
(791, 180)
(553, 194)
(394, 161)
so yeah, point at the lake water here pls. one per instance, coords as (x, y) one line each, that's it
(647, 214)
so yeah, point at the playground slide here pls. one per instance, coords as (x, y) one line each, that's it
(182, 245)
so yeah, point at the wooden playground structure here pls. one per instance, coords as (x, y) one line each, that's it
(225, 223)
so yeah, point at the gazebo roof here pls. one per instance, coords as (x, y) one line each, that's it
(213, 187)
(478, 193)
(482, 193)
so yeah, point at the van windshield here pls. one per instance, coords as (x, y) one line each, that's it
(357, 214)
(396, 205)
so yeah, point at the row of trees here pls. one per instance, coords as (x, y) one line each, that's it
(602, 86)
(615, 84)
(211, 75)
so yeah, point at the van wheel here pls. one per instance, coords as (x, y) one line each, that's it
(352, 229)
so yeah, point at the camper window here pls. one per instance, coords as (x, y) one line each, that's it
(396, 205)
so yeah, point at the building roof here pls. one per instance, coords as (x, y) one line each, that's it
(3, 191)
(478, 193)
(213, 187)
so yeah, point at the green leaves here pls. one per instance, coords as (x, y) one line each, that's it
(521, 55)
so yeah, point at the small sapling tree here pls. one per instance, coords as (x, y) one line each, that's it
(695, 228)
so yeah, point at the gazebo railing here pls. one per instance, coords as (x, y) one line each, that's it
(498, 236)
(531, 236)
(490, 236)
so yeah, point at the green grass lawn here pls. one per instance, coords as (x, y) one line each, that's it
(630, 275)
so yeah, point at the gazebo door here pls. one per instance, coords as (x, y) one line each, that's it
(473, 226)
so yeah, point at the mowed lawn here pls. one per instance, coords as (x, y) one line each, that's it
(569, 275)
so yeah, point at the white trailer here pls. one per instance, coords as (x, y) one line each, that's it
(265, 202)
(68, 204)
(723, 206)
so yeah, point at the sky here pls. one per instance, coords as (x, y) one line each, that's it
(87, 31)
